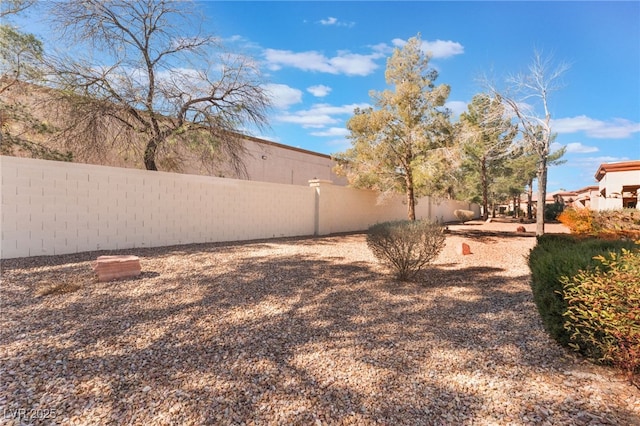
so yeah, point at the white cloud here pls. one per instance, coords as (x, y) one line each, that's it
(307, 120)
(332, 131)
(591, 164)
(283, 96)
(344, 63)
(319, 115)
(336, 22)
(337, 110)
(578, 148)
(330, 21)
(442, 49)
(438, 49)
(618, 128)
(602, 159)
(319, 90)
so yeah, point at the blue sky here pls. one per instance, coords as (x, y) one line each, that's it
(321, 59)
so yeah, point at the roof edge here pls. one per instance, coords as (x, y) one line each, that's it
(622, 166)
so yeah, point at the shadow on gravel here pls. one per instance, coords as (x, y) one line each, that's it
(286, 339)
(487, 236)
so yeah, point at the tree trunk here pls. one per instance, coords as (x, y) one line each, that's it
(411, 197)
(530, 200)
(485, 190)
(411, 203)
(150, 155)
(542, 196)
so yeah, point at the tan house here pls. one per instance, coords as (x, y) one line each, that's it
(267, 161)
(618, 185)
(263, 160)
(582, 198)
(585, 198)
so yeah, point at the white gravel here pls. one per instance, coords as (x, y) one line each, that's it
(294, 331)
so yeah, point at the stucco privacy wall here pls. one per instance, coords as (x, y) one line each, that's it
(50, 208)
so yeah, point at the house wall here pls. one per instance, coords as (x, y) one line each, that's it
(281, 163)
(50, 208)
(612, 183)
(270, 162)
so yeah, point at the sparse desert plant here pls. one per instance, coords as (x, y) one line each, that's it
(406, 247)
(464, 215)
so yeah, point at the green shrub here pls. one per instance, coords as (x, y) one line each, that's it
(555, 256)
(552, 211)
(406, 247)
(603, 311)
(464, 215)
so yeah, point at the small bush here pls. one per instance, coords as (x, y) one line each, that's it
(578, 221)
(555, 256)
(406, 247)
(464, 215)
(552, 211)
(609, 224)
(603, 311)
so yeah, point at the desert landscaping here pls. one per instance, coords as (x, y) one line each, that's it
(295, 331)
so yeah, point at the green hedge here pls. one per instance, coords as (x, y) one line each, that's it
(558, 255)
(603, 314)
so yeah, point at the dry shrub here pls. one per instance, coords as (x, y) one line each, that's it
(406, 247)
(48, 289)
(578, 221)
(464, 215)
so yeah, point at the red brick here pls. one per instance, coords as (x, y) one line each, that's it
(111, 268)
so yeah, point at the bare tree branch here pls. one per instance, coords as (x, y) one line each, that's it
(169, 86)
(543, 78)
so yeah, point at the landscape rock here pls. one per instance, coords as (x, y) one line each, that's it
(464, 249)
(110, 268)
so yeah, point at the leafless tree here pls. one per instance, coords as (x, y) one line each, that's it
(12, 7)
(149, 80)
(527, 96)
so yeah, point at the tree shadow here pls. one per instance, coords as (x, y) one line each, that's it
(489, 236)
(278, 338)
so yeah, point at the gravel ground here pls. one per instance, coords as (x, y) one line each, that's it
(294, 331)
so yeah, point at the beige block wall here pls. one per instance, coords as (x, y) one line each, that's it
(345, 209)
(51, 208)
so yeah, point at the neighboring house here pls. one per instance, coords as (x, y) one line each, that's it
(586, 198)
(618, 185)
(263, 160)
(268, 161)
(561, 197)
